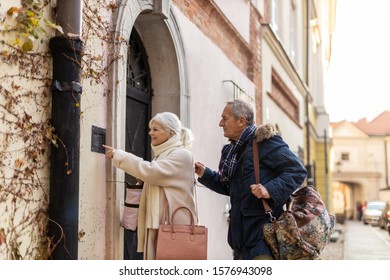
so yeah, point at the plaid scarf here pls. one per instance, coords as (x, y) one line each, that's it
(232, 151)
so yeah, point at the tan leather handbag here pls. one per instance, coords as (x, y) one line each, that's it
(181, 242)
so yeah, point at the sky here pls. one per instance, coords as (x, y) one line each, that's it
(358, 83)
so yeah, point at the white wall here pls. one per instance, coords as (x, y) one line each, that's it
(207, 67)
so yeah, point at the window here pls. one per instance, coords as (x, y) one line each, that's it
(284, 98)
(345, 156)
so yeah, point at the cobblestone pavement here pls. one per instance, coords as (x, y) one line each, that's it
(334, 250)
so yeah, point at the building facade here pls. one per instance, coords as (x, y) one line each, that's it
(361, 163)
(106, 67)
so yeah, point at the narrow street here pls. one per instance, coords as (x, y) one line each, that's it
(357, 241)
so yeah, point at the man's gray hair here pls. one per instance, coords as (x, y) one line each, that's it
(242, 109)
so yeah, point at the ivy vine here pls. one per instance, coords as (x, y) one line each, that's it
(25, 108)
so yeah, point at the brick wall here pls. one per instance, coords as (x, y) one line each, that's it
(212, 22)
(206, 15)
(255, 69)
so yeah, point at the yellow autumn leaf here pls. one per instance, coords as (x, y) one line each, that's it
(13, 10)
(34, 21)
(30, 14)
(16, 42)
(54, 26)
(19, 163)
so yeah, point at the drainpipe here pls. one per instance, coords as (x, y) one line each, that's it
(308, 166)
(66, 89)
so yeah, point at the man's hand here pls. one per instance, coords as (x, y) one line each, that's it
(259, 191)
(199, 169)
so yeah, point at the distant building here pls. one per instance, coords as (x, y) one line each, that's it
(361, 155)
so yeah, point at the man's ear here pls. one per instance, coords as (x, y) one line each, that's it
(242, 121)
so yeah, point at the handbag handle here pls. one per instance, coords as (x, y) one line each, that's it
(192, 218)
(196, 203)
(256, 168)
(166, 208)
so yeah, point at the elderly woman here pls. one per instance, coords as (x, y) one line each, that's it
(168, 178)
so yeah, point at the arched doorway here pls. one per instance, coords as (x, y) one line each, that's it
(155, 66)
(347, 195)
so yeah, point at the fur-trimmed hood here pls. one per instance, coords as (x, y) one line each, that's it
(265, 131)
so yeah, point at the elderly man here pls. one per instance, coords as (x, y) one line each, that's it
(281, 172)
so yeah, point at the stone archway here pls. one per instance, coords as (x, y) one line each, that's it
(161, 39)
(346, 194)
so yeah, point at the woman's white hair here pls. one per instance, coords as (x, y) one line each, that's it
(172, 123)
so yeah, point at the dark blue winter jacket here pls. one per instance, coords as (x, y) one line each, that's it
(281, 172)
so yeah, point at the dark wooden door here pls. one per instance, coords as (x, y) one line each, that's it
(138, 113)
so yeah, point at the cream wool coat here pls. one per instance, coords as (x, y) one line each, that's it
(168, 177)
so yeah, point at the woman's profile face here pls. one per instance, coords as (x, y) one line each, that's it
(158, 133)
